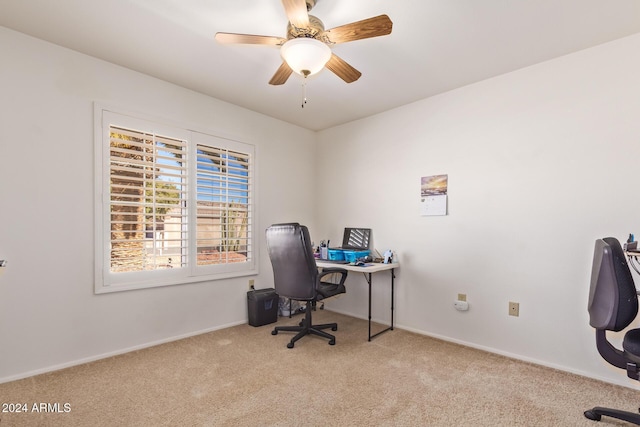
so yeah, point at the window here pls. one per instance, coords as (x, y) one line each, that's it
(176, 205)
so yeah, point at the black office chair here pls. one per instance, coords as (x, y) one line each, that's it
(297, 277)
(613, 305)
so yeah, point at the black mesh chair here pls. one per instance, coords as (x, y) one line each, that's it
(613, 305)
(297, 277)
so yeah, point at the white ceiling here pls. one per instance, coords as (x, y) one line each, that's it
(435, 46)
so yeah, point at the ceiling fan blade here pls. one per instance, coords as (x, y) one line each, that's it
(372, 27)
(281, 75)
(296, 11)
(232, 38)
(343, 70)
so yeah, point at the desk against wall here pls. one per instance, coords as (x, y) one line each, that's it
(368, 271)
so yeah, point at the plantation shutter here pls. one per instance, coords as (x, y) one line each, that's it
(147, 206)
(223, 224)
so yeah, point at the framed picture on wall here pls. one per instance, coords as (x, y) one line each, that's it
(433, 195)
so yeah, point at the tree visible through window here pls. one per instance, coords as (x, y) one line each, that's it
(147, 201)
(176, 203)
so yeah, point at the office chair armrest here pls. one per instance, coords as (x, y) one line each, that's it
(608, 352)
(331, 288)
(333, 270)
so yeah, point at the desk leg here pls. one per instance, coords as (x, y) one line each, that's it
(369, 281)
(392, 286)
(393, 276)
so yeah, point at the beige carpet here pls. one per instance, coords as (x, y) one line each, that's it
(244, 376)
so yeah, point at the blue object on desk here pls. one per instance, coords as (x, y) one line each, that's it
(353, 256)
(336, 254)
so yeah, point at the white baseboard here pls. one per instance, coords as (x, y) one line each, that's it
(519, 357)
(114, 353)
(396, 326)
(620, 382)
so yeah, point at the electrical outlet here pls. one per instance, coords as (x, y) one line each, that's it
(251, 284)
(462, 297)
(514, 309)
(461, 305)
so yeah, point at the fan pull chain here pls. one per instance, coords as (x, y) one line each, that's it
(304, 92)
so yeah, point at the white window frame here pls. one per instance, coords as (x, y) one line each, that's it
(105, 281)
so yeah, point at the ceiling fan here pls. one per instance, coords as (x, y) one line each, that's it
(307, 47)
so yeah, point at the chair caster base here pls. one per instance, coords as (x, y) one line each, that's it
(306, 327)
(598, 412)
(592, 415)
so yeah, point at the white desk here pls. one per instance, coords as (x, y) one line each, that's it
(367, 270)
(633, 259)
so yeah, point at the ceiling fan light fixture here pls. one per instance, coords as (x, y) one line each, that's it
(305, 56)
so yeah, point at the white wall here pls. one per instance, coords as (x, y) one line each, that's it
(541, 162)
(49, 315)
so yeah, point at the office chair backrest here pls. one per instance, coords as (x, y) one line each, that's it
(294, 267)
(613, 302)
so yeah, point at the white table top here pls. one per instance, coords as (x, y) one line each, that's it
(368, 268)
